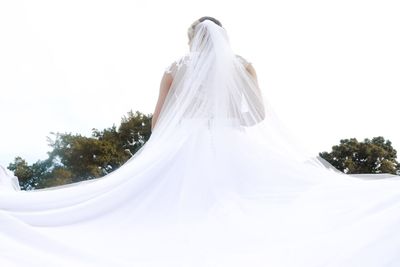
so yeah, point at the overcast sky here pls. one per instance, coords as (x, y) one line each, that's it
(330, 68)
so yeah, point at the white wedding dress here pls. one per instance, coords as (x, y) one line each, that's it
(219, 183)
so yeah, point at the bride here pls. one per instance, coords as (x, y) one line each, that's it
(220, 182)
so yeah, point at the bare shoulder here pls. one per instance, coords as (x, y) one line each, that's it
(244, 61)
(247, 64)
(176, 65)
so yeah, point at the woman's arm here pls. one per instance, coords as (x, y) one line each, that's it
(165, 84)
(250, 69)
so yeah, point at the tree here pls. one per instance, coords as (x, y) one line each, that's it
(84, 157)
(370, 156)
(22, 170)
(30, 176)
(76, 158)
(135, 130)
(58, 176)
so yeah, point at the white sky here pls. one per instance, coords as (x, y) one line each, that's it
(330, 68)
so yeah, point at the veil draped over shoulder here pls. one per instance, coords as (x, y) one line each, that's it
(211, 87)
(220, 182)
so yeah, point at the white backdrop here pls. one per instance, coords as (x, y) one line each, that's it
(330, 68)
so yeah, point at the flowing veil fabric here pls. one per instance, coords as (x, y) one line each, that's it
(8, 181)
(220, 182)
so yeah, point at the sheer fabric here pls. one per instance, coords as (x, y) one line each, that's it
(7, 180)
(219, 183)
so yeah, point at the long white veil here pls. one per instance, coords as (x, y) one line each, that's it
(212, 86)
(222, 180)
(211, 91)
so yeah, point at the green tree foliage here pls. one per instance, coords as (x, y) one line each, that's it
(58, 176)
(370, 156)
(135, 130)
(23, 171)
(85, 157)
(76, 158)
(30, 176)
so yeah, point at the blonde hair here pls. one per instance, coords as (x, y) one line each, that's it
(192, 27)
